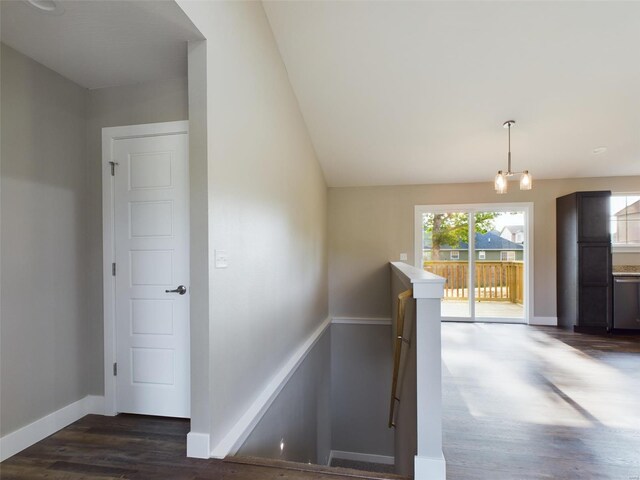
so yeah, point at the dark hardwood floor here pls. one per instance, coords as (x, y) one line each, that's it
(149, 448)
(540, 403)
(520, 403)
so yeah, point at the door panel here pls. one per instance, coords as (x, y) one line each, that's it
(595, 264)
(499, 265)
(447, 255)
(151, 243)
(593, 214)
(594, 306)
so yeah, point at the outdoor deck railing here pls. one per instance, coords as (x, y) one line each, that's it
(495, 281)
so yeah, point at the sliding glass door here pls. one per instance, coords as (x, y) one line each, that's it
(446, 253)
(482, 252)
(499, 266)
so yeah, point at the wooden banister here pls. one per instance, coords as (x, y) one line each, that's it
(397, 351)
(417, 372)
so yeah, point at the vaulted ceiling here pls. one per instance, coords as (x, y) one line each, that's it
(416, 92)
(397, 92)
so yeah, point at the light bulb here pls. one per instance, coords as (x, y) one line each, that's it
(526, 182)
(500, 183)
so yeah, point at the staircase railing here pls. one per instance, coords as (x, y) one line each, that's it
(397, 352)
(417, 418)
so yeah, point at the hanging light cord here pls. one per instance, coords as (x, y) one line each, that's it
(509, 154)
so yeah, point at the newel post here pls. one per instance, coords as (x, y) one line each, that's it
(428, 290)
(429, 461)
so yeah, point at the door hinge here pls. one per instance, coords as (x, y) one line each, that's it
(115, 369)
(113, 168)
(113, 269)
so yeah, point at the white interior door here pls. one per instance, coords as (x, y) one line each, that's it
(152, 274)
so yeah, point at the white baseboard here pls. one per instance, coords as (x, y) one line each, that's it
(238, 434)
(26, 436)
(95, 404)
(505, 321)
(545, 321)
(361, 320)
(430, 468)
(361, 457)
(198, 445)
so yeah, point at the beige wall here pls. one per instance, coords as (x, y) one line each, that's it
(153, 102)
(267, 210)
(43, 269)
(369, 226)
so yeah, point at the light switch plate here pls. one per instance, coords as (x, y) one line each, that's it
(403, 257)
(222, 260)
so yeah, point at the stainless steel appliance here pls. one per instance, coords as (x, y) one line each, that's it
(626, 302)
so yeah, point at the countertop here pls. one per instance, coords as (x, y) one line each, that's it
(626, 270)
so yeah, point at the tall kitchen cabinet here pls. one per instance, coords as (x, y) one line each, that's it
(583, 249)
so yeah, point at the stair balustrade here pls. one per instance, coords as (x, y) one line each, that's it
(416, 397)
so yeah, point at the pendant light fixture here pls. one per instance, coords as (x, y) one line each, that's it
(502, 178)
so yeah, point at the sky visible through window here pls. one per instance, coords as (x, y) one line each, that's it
(507, 218)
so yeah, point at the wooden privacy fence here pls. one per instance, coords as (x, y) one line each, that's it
(495, 281)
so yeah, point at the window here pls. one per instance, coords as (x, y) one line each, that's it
(482, 255)
(625, 220)
(507, 256)
(454, 255)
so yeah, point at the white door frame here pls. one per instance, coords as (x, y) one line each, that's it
(110, 134)
(526, 207)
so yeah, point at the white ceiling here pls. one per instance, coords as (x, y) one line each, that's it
(102, 43)
(416, 92)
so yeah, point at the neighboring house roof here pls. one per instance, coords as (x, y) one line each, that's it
(628, 210)
(484, 241)
(513, 228)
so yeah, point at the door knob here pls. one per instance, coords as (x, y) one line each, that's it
(181, 290)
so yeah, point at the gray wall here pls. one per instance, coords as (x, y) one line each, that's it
(300, 415)
(44, 282)
(51, 201)
(162, 101)
(369, 226)
(338, 399)
(361, 369)
(267, 210)
(199, 239)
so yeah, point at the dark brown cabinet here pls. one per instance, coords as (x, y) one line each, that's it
(593, 216)
(583, 249)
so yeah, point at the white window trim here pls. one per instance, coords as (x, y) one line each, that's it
(482, 255)
(527, 207)
(452, 257)
(625, 247)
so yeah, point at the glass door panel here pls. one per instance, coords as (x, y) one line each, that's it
(446, 253)
(499, 274)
